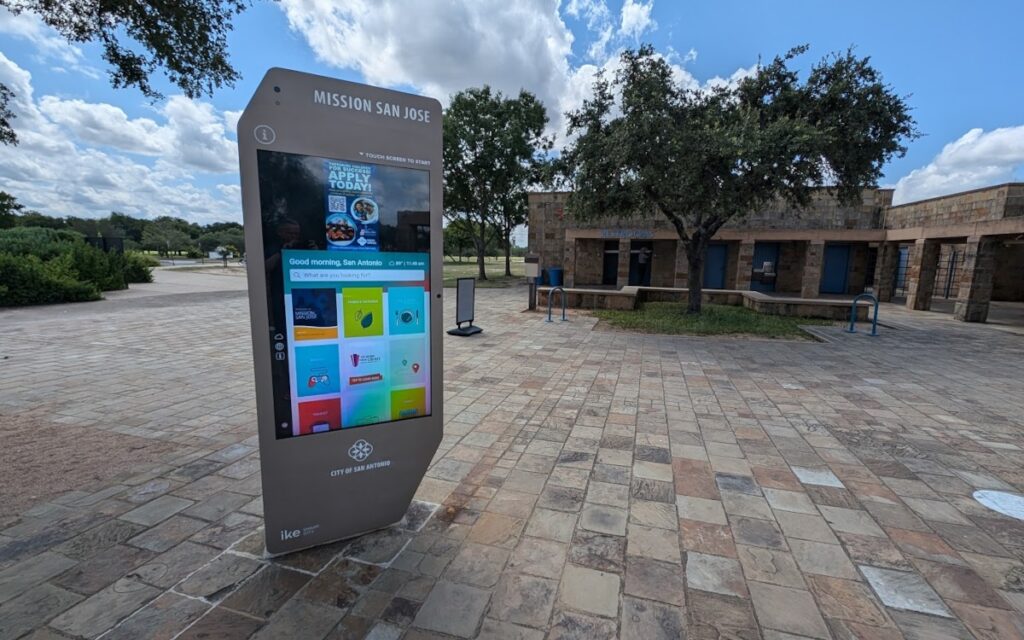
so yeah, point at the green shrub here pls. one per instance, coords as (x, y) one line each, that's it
(38, 241)
(29, 280)
(138, 267)
(105, 270)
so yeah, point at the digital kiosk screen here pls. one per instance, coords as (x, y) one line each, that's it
(347, 254)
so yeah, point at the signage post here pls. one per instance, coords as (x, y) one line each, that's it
(341, 192)
(532, 267)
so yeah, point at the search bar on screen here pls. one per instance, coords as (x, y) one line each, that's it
(357, 275)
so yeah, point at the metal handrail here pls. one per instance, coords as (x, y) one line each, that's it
(551, 295)
(853, 314)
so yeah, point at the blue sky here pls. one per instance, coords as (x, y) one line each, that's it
(87, 148)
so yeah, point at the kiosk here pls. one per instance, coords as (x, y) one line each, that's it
(341, 192)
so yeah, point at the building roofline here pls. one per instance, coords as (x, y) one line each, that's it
(959, 193)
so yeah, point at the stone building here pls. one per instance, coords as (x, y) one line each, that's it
(967, 247)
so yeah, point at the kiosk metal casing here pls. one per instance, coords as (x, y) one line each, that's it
(341, 192)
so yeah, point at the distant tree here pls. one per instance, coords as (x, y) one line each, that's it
(210, 240)
(513, 213)
(132, 227)
(187, 40)
(702, 157)
(164, 236)
(9, 210)
(492, 145)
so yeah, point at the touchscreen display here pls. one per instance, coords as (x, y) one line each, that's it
(347, 254)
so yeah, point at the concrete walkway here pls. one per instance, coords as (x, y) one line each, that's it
(591, 484)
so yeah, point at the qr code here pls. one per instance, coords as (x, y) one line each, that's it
(337, 204)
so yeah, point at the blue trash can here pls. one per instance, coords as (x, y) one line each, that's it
(555, 276)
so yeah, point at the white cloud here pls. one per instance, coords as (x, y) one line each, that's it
(48, 44)
(61, 174)
(636, 18)
(978, 158)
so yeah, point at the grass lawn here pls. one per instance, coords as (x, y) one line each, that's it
(495, 272)
(713, 320)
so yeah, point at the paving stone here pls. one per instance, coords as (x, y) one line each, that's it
(561, 498)
(219, 577)
(598, 551)
(822, 477)
(478, 565)
(342, 583)
(987, 622)
(604, 519)
(758, 533)
(737, 483)
(706, 538)
(614, 495)
(26, 574)
(741, 504)
(654, 580)
(770, 566)
(378, 547)
(711, 615)
(701, 509)
(874, 551)
(513, 503)
(553, 525)
(497, 530)
(101, 611)
(539, 557)
(918, 626)
(299, 619)
(822, 559)
(654, 490)
(229, 531)
(654, 514)
(168, 533)
(170, 567)
(652, 471)
(103, 569)
(216, 506)
(455, 609)
(570, 625)
(222, 623)
(523, 599)
(595, 592)
(646, 620)
(659, 544)
(959, 584)
(164, 617)
(851, 521)
(33, 608)
(716, 574)
(156, 510)
(782, 500)
(98, 539)
(788, 610)
(262, 594)
(400, 611)
(904, 590)
(925, 545)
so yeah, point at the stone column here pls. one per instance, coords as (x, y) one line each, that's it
(814, 256)
(569, 266)
(744, 264)
(975, 290)
(623, 277)
(682, 266)
(887, 263)
(922, 265)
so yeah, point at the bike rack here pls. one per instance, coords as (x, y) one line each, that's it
(551, 295)
(853, 314)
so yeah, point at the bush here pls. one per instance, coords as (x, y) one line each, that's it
(29, 280)
(38, 241)
(138, 267)
(105, 270)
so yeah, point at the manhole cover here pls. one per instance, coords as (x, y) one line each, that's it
(1008, 504)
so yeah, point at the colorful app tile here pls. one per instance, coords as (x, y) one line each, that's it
(316, 370)
(406, 310)
(317, 416)
(408, 403)
(364, 311)
(408, 362)
(362, 408)
(315, 314)
(363, 362)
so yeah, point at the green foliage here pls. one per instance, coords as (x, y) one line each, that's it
(714, 319)
(494, 148)
(26, 279)
(165, 235)
(42, 243)
(7, 134)
(222, 237)
(105, 270)
(647, 145)
(138, 267)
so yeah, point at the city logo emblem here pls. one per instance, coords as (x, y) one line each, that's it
(360, 451)
(355, 359)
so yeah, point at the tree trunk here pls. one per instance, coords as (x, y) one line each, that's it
(508, 253)
(481, 249)
(696, 252)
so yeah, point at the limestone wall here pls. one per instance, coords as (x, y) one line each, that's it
(980, 205)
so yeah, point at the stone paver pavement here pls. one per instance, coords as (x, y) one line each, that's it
(590, 484)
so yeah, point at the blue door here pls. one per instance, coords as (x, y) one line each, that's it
(714, 266)
(835, 268)
(766, 265)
